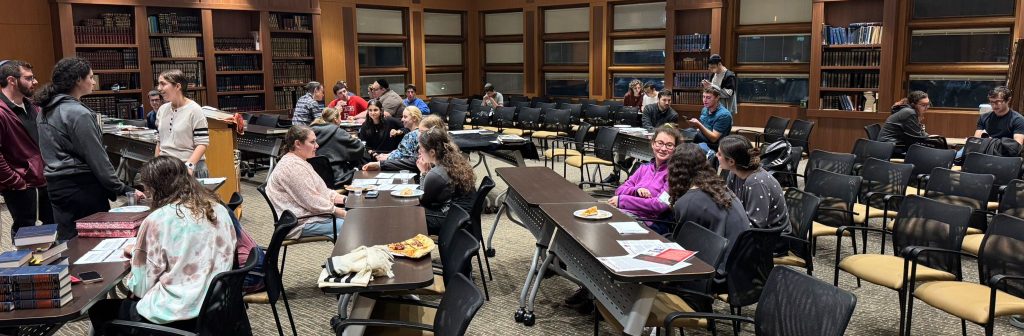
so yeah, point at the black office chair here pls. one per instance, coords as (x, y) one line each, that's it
(457, 120)
(459, 304)
(864, 149)
(546, 105)
(774, 130)
(459, 101)
(597, 115)
(235, 201)
(222, 313)
(1004, 168)
(802, 208)
(838, 193)
(476, 224)
(440, 99)
(840, 163)
(800, 134)
(272, 275)
(439, 109)
(322, 165)
(266, 120)
(302, 240)
(926, 159)
(872, 131)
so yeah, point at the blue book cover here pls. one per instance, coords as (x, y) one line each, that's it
(14, 258)
(36, 231)
(49, 274)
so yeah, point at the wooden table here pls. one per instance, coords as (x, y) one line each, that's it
(376, 226)
(85, 295)
(384, 197)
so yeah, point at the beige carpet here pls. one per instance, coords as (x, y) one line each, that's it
(876, 313)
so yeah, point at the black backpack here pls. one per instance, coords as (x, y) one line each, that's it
(991, 146)
(776, 157)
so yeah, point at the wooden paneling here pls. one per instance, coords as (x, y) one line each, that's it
(756, 115)
(598, 52)
(28, 35)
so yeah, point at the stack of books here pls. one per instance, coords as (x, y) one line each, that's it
(34, 287)
(37, 245)
(855, 33)
(111, 224)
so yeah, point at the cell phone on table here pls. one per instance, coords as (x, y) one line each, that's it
(372, 194)
(90, 277)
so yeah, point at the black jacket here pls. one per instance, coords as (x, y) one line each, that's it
(341, 149)
(904, 128)
(652, 117)
(378, 136)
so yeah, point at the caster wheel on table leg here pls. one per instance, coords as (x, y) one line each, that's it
(529, 319)
(519, 315)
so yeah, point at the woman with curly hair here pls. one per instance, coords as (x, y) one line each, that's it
(446, 177)
(634, 96)
(702, 197)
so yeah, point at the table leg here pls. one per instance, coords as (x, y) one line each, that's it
(520, 315)
(490, 236)
(361, 308)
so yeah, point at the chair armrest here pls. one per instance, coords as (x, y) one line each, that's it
(839, 230)
(340, 327)
(788, 173)
(1000, 277)
(684, 291)
(795, 239)
(912, 252)
(149, 328)
(836, 210)
(712, 317)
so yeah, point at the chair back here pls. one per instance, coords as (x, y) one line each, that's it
(458, 255)
(837, 191)
(235, 201)
(263, 191)
(460, 107)
(272, 273)
(561, 100)
(800, 133)
(627, 115)
(545, 105)
(1000, 253)
(557, 120)
(839, 163)
(459, 101)
(959, 188)
(1004, 168)
(575, 112)
(865, 149)
(476, 102)
(884, 177)
(925, 159)
(512, 98)
(457, 120)
(930, 223)
(803, 208)
(1012, 202)
(322, 165)
(479, 202)
(537, 100)
(796, 304)
(872, 131)
(748, 263)
(709, 245)
(457, 219)
(459, 304)
(789, 180)
(581, 136)
(440, 99)
(505, 117)
(438, 108)
(223, 311)
(604, 144)
(775, 129)
(475, 108)
(529, 118)
(587, 102)
(266, 120)
(520, 105)
(611, 102)
(597, 115)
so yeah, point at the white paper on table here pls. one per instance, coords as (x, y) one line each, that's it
(212, 180)
(672, 268)
(628, 227)
(383, 181)
(633, 247)
(628, 263)
(402, 176)
(115, 256)
(92, 257)
(385, 175)
(110, 244)
(384, 187)
(363, 182)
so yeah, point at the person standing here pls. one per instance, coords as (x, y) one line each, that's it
(634, 97)
(724, 80)
(411, 100)
(389, 100)
(492, 99)
(308, 106)
(353, 106)
(80, 178)
(182, 128)
(22, 183)
(155, 101)
(715, 122)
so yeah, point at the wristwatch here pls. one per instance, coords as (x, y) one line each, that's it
(190, 165)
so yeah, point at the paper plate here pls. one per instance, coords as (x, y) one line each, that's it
(601, 214)
(415, 193)
(131, 208)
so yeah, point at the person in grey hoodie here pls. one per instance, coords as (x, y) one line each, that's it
(78, 170)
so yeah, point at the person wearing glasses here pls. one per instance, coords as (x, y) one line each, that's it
(411, 100)
(1002, 122)
(390, 101)
(492, 98)
(155, 101)
(643, 194)
(903, 127)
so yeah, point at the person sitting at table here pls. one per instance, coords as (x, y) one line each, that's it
(715, 122)
(634, 96)
(353, 106)
(342, 149)
(650, 95)
(641, 195)
(760, 193)
(308, 106)
(408, 162)
(411, 100)
(903, 127)
(182, 128)
(410, 132)
(651, 117)
(295, 186)
(1002, 122)
(186, 241)
(378, 129)
(446, 177)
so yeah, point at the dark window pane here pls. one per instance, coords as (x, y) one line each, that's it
(377, 55)
(780, 89)
(639, 51)
(566, 84)
(954, 46)
(953, 91)
(620, 83)
(774, 49)
(566, 52)
(954, 8)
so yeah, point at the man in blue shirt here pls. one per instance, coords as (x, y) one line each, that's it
(715, 122)
(155, 101)
(411, 100)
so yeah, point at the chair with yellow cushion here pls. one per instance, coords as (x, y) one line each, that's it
(884, 186)
(922, 222)
(272, 278)
(865, 149)
(528, 120)
(840, 163)
(924, 160)
(1011, 203)
(955, 187)
(597, 115)
(567, 147)
(1000, 290)
(603, 149)
(1004, 168)
(838, 194)
(802, 207)
(505, 118)
(302, 240)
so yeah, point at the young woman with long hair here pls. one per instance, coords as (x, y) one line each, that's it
(187, 240)
(408, 162)
(760, 193)
(183, 131)
(377, 130)
(410, 133)
(634, 96)
(295, 186)
(446, 177)
(79, 176)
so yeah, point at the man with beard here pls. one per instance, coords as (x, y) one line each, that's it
(21, 164)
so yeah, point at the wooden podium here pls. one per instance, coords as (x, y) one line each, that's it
(220, 156)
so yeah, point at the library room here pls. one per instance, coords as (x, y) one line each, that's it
(518, 167)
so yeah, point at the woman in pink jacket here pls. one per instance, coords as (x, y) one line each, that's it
(642, 195)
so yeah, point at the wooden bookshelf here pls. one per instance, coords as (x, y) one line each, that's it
(694, 32)
(234, 31)
(108, 37)
(292, 49)
(176, 41)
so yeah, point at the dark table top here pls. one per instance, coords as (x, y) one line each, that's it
(377, 226)
(84, 295)
(265, 130)
(599, 239)
(541, 185)
(384, 197)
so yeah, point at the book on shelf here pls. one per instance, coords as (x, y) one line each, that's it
(692, 63)
(234, 44)
(15, 258)
(689, 80)
(290, 46)
(39, 234)
(241, 103)
(111, 106)
(298, 22)
(286, 97)
(238, 63)
(116, 81)
(231, 83)
(292, 72)
(182, 47)
(170, 23)
(193, 71)
(852, 57)
(843, 102)
(109, 28)
(687, 97)
(111, 59)
(854, 33)
(693, 43)
(849, 79)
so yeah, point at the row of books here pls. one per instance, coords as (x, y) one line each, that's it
(175, 47)
(239, 83)
(111, 106)
(292, 72)
(193, 71)
(235, 44)
(692, 63)
(855, 33)
(694, 42)
(864, 57)
(238, 62)
(110, 224)
(199, 96)
(104, 35)
(285, 98)
(174, 23)
(297, 22)
(687, 97)
(116, 81)
(290, 47)
(247, 103)
(105, 59)
(845, 102)
(849, 79)
(36, 274)
(689, 80)
(121, 20)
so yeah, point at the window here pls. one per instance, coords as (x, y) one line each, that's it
(506, 82)
(638, 51)
(566, 84)
(444, 54)
(381, 54)
(772, 88)
(569, 20)
(444, 84)
(776, 48)
(924, 9)
(395, 82)
(504, 53)
(567, 52)
(960, 45)
(620, 82)
(447, 24)
(640, 16)
(503, 24)
(379, 21)
(774, 11)
(956, 91)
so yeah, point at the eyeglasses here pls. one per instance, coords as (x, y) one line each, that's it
(666, 145)
(28, 78)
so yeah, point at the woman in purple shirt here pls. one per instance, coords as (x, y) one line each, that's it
(641, 195)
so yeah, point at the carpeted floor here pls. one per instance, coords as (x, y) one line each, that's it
(876, 314)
